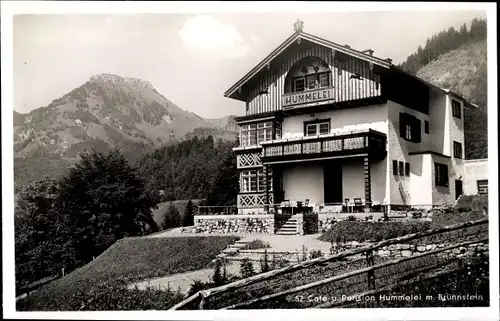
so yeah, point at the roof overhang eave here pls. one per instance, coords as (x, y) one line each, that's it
(310, 38)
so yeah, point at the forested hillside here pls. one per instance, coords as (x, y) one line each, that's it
(197, 168)
(457, 60)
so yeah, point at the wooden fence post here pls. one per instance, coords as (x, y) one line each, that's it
(371, 273)
(204, 300)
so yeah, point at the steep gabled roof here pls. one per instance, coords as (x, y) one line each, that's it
(332, 45)
(311, 38)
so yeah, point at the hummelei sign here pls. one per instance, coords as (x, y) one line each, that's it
(307, 97)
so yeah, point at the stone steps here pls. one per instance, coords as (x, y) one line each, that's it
(288, 228)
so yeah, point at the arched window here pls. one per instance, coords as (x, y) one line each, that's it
(308, 73)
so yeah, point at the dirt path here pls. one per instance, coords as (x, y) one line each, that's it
(183, 281)
(278, 243)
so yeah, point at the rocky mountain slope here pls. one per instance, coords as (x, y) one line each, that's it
(107, 111)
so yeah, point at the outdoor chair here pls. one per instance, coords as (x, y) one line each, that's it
(358, 204)
(345, 208)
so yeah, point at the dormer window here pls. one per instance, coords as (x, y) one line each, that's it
(311, 81)
(299, 84)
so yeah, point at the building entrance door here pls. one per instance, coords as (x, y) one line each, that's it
(332, 177)
(458, 188)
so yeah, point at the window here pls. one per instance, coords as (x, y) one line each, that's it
(264, 132)
(324, 79)
(317, 128)
(426, 124)
(310, 82)
(255, 181)
(248, 135)
(253, 134)
(457, 150)
(401, 169)
(410, 128)
(299, 84)
(249, 181)
(456, 109)
(395, 167)
(407, 169)
(482, 187)
(441, 174)
(277, 130)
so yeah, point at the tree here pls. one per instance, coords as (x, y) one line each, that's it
(225, 187)
(188, 219)
(219, 277)
(40, 233)
(246, 268)
(105, 199)
(172, 217)
(264, 263)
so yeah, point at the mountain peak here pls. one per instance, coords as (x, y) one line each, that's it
(118, 81)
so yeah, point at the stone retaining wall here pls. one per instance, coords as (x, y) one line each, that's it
(392, 251)
(326, 220)
(263, 223)
(405, 250)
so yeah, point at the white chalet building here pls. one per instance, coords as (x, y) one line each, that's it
(337, 129)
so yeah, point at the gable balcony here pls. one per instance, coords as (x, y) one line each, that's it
(365, 142)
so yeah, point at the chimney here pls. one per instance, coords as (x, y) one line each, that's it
(347, 46)
(368, 51)
(389, 60)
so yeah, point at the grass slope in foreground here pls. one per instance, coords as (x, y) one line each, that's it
(101, 284)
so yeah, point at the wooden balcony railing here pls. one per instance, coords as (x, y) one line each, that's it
(369, 141)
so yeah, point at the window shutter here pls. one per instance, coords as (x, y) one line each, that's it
(401, 125)
(418, 130)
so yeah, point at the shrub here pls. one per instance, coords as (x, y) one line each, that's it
(257, 244)
(304, 253)
(352, 218)
(372, 231)
(468, 208)
(472, 203)
(264, 263)
(188, 219)
(197, 286)
(315, 254)
(172, 217)
(104, 297)
(246, 268)
(220, 273)
(278, 263)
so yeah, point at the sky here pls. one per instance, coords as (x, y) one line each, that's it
(192, 59)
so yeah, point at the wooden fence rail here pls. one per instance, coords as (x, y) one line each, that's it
(369, 269)
(202, 297)
(384, 289)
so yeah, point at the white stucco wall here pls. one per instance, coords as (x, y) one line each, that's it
(304, 181)
(373, 116)
(474, 170)
(443, 194)
(421, 180)
(399, 149)
(353, 179)
(438, 117)
(443, 130)
(380, 188)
